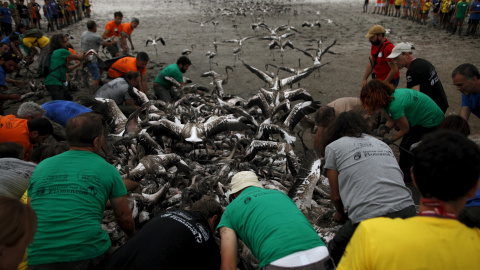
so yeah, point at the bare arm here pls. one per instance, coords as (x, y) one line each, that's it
(393, 71)
(368, 71)
(317, 143)
(465, 112)
(131, 43)
(105, 34)
(416, 87)
(335, 195)
(228, 248)
(143, 84)
(402, 124)
(123, 214)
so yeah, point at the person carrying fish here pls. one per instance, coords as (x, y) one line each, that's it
(263, 219)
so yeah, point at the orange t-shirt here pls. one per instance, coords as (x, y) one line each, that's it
(13, 129)
(73, 52)
(124, 65)
(115, 29)
(127, 28)
(71, 5)
(34, 13)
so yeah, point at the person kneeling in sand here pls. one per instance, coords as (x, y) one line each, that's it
(121, 91)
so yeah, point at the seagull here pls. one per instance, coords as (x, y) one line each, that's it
(215, 24)
(311, 24)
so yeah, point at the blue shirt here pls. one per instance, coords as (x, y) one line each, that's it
(7, 15)
(61, 111)
(53, 7)
(475, 7)
(7, 41)
(473, 102)
(48, 11)
(475, 201)
(2, 76)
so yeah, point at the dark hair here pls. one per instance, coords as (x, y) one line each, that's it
(347, 124)
(54, 149)
(446, 165)
(16, 220)
(466, 70)
(131, 75)
(42, 125)
(4, 43)
(19, 26)
(117, 14)
(376, 95)
(11, 150)
(56, 42)
(208, 207)
(183, 60)
(455, 122)
(324, 116)
(36, 155)
(91, 24)
(143, 56)
(14, 37)
(10, 56)
(82, 129)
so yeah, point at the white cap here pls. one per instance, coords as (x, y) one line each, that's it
(399, 49)
(244, 179)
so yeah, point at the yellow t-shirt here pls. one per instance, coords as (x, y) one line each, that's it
(426, 6)
(415, 243)
(446, 6)
(24, 264)
(33, 41)
(398, 2)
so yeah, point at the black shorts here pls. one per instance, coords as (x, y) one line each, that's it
(397, 7)
(34, 20)
(55, 16)
(473, 22)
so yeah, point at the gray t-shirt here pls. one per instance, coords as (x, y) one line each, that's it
(90, 41)
(15, 176)
(369, 178)
(116, 89)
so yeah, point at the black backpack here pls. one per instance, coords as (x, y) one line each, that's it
(34, 32)
(44, 66)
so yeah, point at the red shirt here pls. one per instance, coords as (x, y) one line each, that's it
(115, 29)
(381, 67)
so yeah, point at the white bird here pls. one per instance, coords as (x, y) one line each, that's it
(186, 52)
(154, 42)
(218, 80)
(201, 23)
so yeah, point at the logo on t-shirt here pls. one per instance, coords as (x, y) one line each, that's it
(247, 200)
(357, 156)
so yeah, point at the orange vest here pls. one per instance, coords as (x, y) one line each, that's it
(115, 29)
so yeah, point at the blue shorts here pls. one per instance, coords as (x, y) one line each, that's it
(93, 69)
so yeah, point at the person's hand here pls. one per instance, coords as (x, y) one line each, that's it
(133, 48)
(20, 83)
(14, 96)
(339, 217)
(386, 140)
(381, 131)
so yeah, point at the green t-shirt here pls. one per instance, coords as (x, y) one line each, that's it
(69, 192)
(270, 224)
(59, 67)
(461, 9)
(418, 108)
(171, 70)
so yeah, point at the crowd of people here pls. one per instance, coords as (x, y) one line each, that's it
(447, 14)
(69, 183)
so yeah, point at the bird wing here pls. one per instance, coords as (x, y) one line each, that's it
(326, 49)
(299, 111)
(245, 38)
(305, 181)
(286, 35)
(209, 20)
(149, 40)
(287, 43)
(260, 74)
(306, 53)
(298, 94)
(294, 29)
(269, 95)
(162, 40)
(223, 124)
(257, 145)
(230, 41)
(260, 101)
(164, 127)
(210, 73)
(265, 130)
(193, 21)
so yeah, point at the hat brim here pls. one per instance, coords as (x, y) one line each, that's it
(369, 35)
(394, 55)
